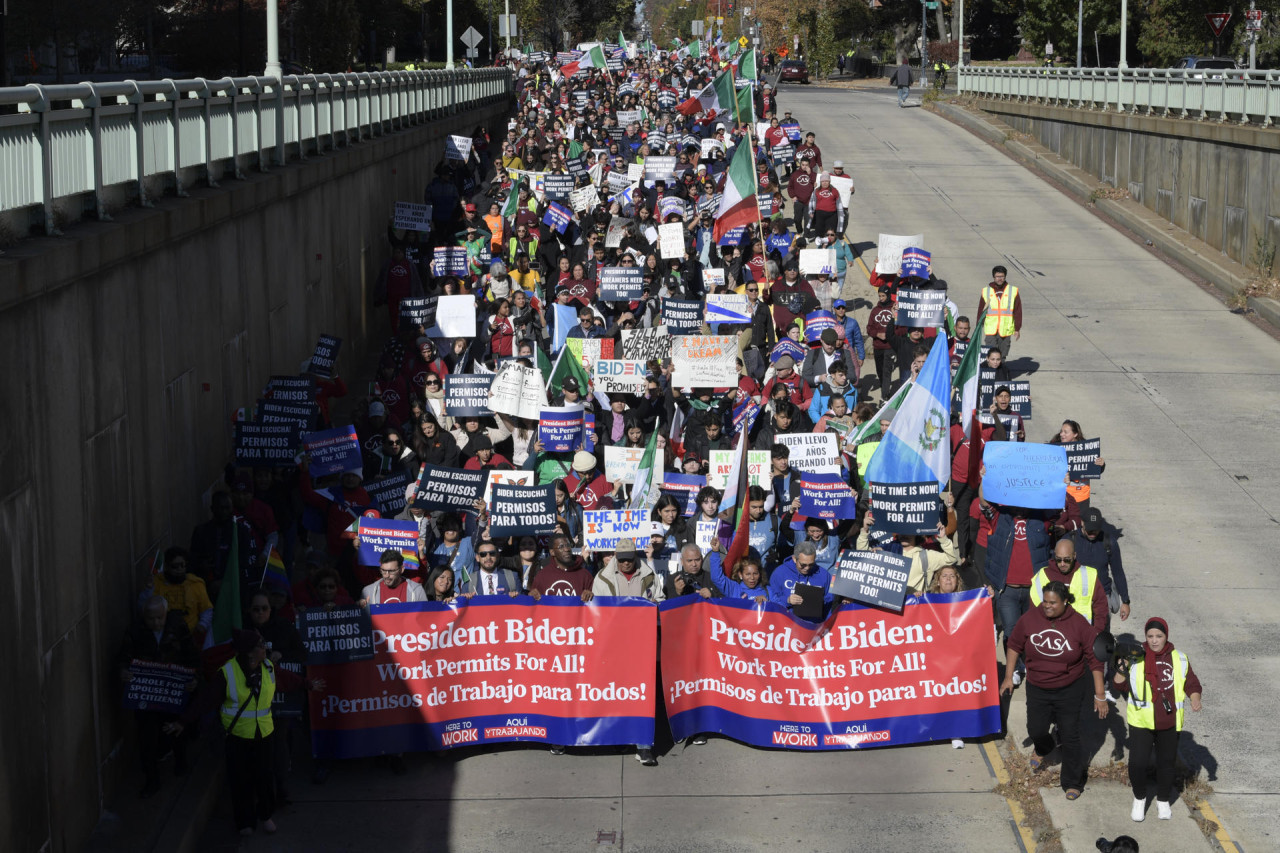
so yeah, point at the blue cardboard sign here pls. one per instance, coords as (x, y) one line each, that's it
(1032, 476)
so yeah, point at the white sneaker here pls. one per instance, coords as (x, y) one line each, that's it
(1139, 811)
(957, 743)
(1164, 811)
(1017, 678)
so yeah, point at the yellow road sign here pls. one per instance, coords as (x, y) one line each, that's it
(742, 41)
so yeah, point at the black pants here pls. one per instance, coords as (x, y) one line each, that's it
(884, 371)
(965, 528)
(1063, 706)
(824, 219)
(1141, 743)
(800, 213)
(253, 785)
(153, 743)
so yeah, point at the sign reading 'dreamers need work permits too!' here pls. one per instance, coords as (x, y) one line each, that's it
(878, 578)
(1025, 475)
(705, 361)
(501, 669)
(864, 678)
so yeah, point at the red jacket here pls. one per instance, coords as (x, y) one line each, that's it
(337, 517)
(801, 394)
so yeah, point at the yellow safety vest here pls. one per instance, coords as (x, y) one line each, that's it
(1140, 713)
(255, 719)
(1081, 587)
(999, 310)
(863, 455)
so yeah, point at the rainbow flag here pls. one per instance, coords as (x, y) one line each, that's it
(411, 562)
(275, 570)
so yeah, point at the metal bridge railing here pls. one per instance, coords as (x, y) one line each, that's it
(1244, 97)
(82, 138)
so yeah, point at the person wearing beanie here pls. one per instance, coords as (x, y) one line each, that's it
(243, 689)
(1158, 687)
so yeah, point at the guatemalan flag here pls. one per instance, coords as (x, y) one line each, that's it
(917, 447)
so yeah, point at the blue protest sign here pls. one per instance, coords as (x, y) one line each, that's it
(916, 262)
(449, 260)
(560, 428)
(1026, 475)
(522, 510)
(385, 534)
(904, 508)
(332, 451)
(826, 496)
(682, 315)
(732, 237)
(389, 492)
(816, 322)
(589, 432)
(159, 687)
(786, 346)
(558, 216)
(744, 415)
(684, 488)
(878, 578)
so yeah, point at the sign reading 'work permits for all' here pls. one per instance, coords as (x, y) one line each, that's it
(269, 445)
(332, 451)
(412, 217)
(560, 428)
(344, 635)
(1025, 475)
(448, 489)
(705, 361)
(878, 578)
(325, 355)
(522, 510)
(922, 308)
(826, 496)
(905, 508)
(916, 262)
(419, 310)
(467, 394)
(1082, 459)
(457, 148)
(158, 687)
(621, 284)
(385, 534)
(1019, 398)
(602, 528)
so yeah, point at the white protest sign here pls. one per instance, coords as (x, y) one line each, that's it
(602, 528)
(626, 117)
(412, 217)
(635, 173)
(818, 452)
(506, 478)
(817, 261)
(728, 308)
(620, 376)
(456, 317)
(622, 463)
(457, 148)
(713, 280)
(705, 361)
(617, 183)
(671, 240)
(651, 234)
(617, 230)
(517, 391)
(843, 184)
(890, 248)
(584, 199)
(705, 535)
(721, 463)
(709, 145)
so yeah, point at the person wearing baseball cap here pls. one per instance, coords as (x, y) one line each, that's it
(1096, 548)
(1158, 687)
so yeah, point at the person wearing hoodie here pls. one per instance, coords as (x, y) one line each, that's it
(836, 384)
(745, 581)
(1157, 687)
(564, 574)
(801, 567)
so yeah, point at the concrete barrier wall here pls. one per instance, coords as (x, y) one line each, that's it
(1219, 182)
(125, 346)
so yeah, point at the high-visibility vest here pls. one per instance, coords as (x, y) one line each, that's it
(999, 310)
(255, 719)
(1081, 587)
(1140, 712)
(863, 455)
(513, 246)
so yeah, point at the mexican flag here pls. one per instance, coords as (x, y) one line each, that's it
(715, 97)
(747, 65)
(966, 379)
(695, 49)
(622, 40)
(644, 474)
(594, 58)
(513, 200)
(566, 367)
(746, 105)
(738, 203)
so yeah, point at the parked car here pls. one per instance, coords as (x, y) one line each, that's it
(794, 71)
(1208, 65)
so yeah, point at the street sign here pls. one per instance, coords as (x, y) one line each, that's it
(1254, 20)
(472, 53)
(506, 25)
(472, 37)
(742, 41)
(699, 28)
(1217, 21)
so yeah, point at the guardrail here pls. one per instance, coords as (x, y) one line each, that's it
(75, 139)
(1246, 97)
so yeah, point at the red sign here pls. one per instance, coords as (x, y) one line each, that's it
(507, 669)
(1217, 21)
(865, 678)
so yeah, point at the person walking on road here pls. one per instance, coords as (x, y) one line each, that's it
(1158, 687)
(1003, 305)
(902, 79)
(1057, 644)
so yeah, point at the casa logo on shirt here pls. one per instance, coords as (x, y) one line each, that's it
(1050, 642)
(1020, 530)
(399, 270)
(562, 588)
(1166, 673)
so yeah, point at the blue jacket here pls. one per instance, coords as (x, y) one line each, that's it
(1000, 547)
(822, 399)
(853, 335)
(844, 257)
(784, 578)
(730, 587)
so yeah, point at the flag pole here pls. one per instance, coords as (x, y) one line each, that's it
(737, 117)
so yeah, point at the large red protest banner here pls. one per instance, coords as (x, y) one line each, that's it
(865, 677)
(493, 669)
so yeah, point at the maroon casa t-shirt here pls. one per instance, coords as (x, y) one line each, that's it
(554, 581)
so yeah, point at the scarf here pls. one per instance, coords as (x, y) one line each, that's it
(1150, 657)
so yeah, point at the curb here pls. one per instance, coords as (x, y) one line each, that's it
(190, 814)
(1227, 277)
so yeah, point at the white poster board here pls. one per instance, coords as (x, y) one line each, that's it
(843, 184)
(517, 391)
(818, 261)
(412, 217)
(818, 452)
(506, 478)
(889, 251)
(457, 148)
(456, 317)
(704, 361)
(622, 463)
(671, 241)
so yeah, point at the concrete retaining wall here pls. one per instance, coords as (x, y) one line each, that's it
(1219, 182)
(125, 346)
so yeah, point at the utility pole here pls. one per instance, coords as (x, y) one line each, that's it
(1124, 33)
(1253, 40)
(960, 52)
(506, 5)
(1080, 33)
(273, 41)
(448, 34)
(924, 40)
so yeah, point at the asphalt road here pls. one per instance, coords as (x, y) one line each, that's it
(1185, 396)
